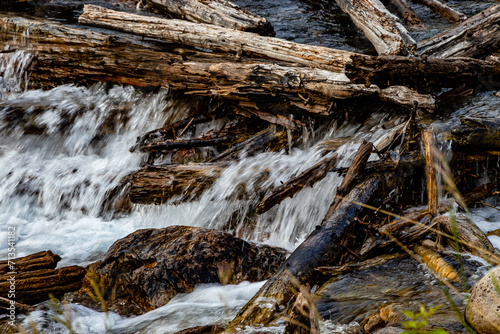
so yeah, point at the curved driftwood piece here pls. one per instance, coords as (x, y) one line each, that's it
(383, 29)
(476, 37)
(217, 12)
(443, 9)
(322, 247)
(158, 184)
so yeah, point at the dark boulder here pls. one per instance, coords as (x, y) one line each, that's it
(147, 268)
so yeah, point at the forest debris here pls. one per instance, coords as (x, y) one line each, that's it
(303, 317)
(476, 37)
(443, 9)
(169, 145)
(218, 12)
(40, 260)
(383, 29)
(158, 184)
(324, 246)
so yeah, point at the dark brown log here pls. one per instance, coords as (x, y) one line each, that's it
(40, 260)
(6, 303)
(34, 286)
(351, 177)
(480, 193)
(478, 133)
(322, 247)
(167, 132)
(430, 171)
(424, 73)
(383, 29)
(170, 145)
(476, 37)
(258, 142)
(218, 12)
(443, 9)
(305, 179)
(403, 9)
(158, 184)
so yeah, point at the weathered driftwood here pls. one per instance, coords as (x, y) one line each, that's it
(436, 263)
(476, 37)
(470, 237)
(215, 38)
(158, 184)
(478, 133)
(70, 54)
(288, 123)
(443, 9)
(218, 12)
(322, 247)
(424, 73)
(35, 278)
(403, 9)
(383, 29)
(40, 260)
(430, 171)
(305, 179)
(258, 142)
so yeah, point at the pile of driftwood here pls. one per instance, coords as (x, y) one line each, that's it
(268, 91)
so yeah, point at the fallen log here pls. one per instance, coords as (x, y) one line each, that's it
(383, 29)
(158, 184)
(258, 142)
(215, 38)
(478, 133)
(476, 37)
(67, 55)
(443, 9)
(40, 260)
(403, 9)
(218, 12)
(324, 246)
(303, 317)
(170, 145)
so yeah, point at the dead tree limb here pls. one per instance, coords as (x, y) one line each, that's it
(383, 29)
(170, 145)
(443, 9)
(476, 37)
(403, 9)
(322, 247)
(40, 260)
(158, 184)
(430, 171)
(217, 12)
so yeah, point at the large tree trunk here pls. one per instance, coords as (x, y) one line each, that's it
(324, 246)
(383, 29)
(218, 12)
(476, 37)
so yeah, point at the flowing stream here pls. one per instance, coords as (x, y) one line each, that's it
(62, 152)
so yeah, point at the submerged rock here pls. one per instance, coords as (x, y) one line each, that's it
(147, 268)
(483, 312)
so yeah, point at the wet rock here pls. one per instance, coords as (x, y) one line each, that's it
(147, 268)
(209, 329)
(484, 306)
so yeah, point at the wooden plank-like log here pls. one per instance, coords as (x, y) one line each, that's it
(321, 248)
(158, 184)
(40, 260)
(218, 12)
(476, 37)
(383, 29)
(215, 38)
(443, 9)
